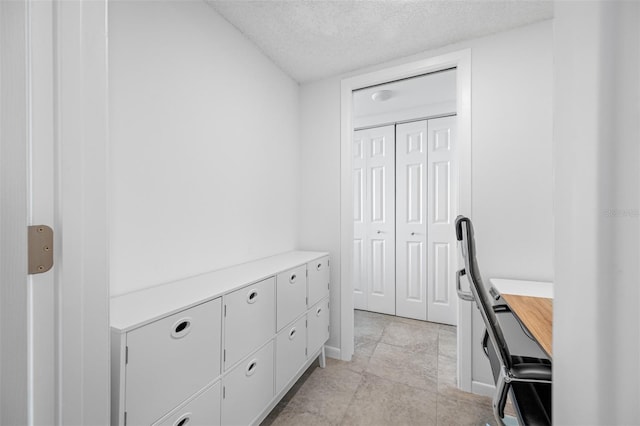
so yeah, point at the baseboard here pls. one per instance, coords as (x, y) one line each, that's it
(484, 389)
(332, 352)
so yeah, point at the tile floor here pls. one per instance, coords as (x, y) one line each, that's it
(403, 372)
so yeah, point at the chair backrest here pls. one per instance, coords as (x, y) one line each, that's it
(465, 235)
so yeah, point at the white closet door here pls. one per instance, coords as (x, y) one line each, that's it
(359, 223)
(411, 220)
(374, 219)
(443, 206)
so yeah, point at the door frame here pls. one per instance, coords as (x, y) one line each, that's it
(15, 371)
(82, 210)
(80, 387)
(462, 61)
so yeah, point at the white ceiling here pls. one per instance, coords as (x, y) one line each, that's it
(314, 39)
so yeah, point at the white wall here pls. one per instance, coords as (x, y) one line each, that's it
(204, 148)
(511, 160)
(319, 224)
(596, 339)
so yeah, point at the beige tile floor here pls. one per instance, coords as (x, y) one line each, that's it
(403, 372)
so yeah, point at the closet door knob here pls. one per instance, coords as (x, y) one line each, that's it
(318, 312)
(292, 278)
(292, 333)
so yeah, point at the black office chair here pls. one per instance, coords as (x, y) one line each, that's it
(527, 379)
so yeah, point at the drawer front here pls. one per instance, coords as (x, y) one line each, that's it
(291, 345)
(170, 360)
(291, 294)
(248, 388)
(318, 331)
(202, 411)
(319, 278)
(250, 320)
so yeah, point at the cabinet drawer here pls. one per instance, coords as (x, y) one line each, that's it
(291, 294)
(319, 278)
(202, 411)
(291, 345)
(250, 319)
(318, 331)
(248, 388)
(170, 360)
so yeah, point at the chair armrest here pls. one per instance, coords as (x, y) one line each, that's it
(464, 295)
(501, 308)
(529, 371)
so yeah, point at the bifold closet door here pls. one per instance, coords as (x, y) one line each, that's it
(411, 220)
(374, 219)
(442, 199)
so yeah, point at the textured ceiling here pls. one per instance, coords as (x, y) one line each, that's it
(313, 39)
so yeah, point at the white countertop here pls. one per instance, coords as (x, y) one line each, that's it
(523, 288)
(141, 307)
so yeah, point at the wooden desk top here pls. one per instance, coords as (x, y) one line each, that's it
(536, 314)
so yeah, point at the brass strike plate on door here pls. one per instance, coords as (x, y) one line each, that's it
(40, 249)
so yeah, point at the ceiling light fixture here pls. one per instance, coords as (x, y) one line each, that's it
(382, 95)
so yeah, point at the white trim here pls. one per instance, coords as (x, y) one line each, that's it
(332, 352)
(15, 374)
(462, 61)
(81, 211)
(484, 389)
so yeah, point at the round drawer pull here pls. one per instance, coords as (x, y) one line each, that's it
(292, 333)
(252, 296)
(183, 420)
(319, 266)
(251, 367)
(181, 328)
(318, 312)
(292, 279)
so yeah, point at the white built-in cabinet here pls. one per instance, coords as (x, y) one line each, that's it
(405, 202)
(218, 348)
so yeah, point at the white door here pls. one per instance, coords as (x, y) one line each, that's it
(411, 220)
(359, 223)
(443, 206)
(374, 219)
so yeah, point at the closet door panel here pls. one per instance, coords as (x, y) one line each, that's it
(374, 219)
(380, 219)
(442, 201)
(359, 222)
(411, 220)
